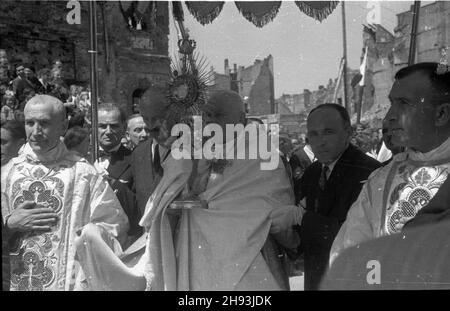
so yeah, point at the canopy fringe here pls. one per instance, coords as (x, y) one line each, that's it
(259, 19)
(205, 12)
(318, 10)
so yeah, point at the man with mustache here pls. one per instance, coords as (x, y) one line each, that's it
(419, 117)
(329, 186)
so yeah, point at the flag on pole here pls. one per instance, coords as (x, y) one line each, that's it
(362, 68)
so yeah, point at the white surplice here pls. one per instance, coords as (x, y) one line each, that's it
(394, 194)
(70, 186)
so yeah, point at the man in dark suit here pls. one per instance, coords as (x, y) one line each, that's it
(115, 160)
(146, 170)
(20, 83)
(148, 156)
(31, 77)
(329, 186)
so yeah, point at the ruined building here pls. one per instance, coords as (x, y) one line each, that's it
(254, 83)
(388, 53)
(132, 43)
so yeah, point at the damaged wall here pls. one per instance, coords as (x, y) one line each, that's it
(36, 32)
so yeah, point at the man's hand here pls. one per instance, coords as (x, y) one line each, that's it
(28, 217)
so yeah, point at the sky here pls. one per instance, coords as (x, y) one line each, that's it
(306, 53)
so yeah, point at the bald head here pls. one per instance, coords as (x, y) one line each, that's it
(45, 122)
(55, 106)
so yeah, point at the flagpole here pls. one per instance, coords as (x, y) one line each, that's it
(93, 78)
(415, 23)
(338, 82)
(344, 39)
(362, 85)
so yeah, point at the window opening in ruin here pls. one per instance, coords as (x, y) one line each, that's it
(137, 97)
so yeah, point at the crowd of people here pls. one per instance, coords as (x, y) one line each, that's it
(19, 83)
(138, 218)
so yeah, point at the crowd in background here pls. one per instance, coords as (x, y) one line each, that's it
(19, 83)
(368, 139)
(337, 188)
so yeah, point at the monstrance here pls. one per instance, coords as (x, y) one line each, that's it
(187, 94)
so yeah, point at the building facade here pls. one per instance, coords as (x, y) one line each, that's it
(255, 84)
(132, 43)
(388, 53)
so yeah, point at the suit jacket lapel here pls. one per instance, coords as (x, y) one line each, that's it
(118, 165)
(336, 181)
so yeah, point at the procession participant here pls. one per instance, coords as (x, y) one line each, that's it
(34, 81)
(5, 259)
(48, 194)
(413, 260)
(77, 139)
(20, 83)
(9, 107)
(12, 138)
(126, 270)
(114, 159)
(229, 245)
(44, 77)
(147, 157)
(137, 131)
(420, 119)
(329, 186)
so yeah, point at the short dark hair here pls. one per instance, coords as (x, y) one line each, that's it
(76, 117)
(112, 107)
(340, 109)
(16, 128)
(439, 80)
(75, 136)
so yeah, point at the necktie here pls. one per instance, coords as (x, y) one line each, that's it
(157, 161)
(323, 177)
(322, 182)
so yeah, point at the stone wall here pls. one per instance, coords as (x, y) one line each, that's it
(129, 60)
(389, 53)
(257, 83)
(433, 33)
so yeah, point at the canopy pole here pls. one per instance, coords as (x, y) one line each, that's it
(415, 23)
(344, 40)
(93, 78)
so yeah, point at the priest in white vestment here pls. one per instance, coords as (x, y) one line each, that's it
(231, 244)
(420, 121)
(48, 195)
